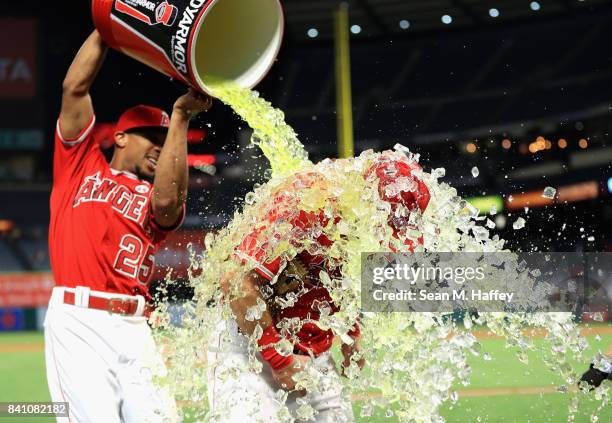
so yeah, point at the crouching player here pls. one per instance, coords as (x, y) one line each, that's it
(297, 295)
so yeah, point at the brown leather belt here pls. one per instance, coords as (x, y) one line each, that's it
(121, 306)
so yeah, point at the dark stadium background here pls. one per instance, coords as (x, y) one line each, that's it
(482, 91)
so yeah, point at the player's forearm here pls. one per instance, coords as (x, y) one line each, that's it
(77, 109)
(247, 296)
(171, 174)
(85, 66)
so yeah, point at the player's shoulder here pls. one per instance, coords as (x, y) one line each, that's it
(84, 134)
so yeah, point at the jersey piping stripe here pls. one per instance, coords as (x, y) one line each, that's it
(257, 264)
(125, 173)
(80, 138)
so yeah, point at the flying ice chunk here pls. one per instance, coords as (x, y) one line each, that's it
(519, 224)
(401, 148)
(438, 173)
(250, 198)
(475, 172)
(480, 233)
(549, 192)
(284, 348)
(255, 312)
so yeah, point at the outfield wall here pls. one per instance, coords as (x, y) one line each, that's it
(24, 297)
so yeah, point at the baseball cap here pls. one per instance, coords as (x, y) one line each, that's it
(142, 116)
(389, 170)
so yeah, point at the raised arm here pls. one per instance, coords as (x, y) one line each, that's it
(171, 175)
(77, 109)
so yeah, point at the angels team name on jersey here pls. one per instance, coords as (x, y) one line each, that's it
(121, 198)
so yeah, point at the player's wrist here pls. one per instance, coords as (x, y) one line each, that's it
(182, 113)
(268, 339)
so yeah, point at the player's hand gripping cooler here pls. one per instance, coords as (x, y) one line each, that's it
(198, 42)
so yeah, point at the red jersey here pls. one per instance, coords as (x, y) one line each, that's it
(315, 297)
(102, 233)
(308, 305)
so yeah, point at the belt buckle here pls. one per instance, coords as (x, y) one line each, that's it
(115, 305)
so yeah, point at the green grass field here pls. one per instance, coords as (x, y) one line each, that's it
(22, 378)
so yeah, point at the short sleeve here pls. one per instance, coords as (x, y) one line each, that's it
(252, 251)
(71, 153)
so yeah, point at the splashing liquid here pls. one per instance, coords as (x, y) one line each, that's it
(277, 140)
(412, 358)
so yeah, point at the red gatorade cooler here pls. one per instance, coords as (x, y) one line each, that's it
(196, 41)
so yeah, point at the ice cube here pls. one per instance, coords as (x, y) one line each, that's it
(250, 198)
(549, 192)
(284, 348)
(266, 291)
(519, 224)
(480, 233)
(401, 148)
(438, 173)
(253, 313)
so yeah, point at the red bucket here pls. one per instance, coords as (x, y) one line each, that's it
(196, 41)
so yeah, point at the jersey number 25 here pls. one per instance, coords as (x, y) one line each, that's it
(129, 258)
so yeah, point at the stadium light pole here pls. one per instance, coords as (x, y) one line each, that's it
(344, 101)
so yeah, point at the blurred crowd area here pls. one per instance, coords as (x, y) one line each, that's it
(524, 97)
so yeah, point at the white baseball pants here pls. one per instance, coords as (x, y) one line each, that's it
(102, 364)
(238, 395)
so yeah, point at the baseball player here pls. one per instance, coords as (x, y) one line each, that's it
(247, 397)
(107, 221)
